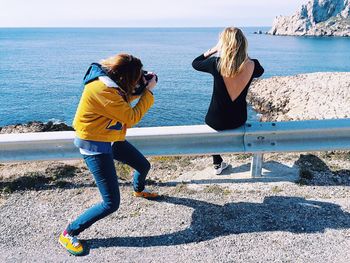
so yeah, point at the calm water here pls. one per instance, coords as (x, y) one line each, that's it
(41, 69)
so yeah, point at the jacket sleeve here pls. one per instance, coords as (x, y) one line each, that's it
(116, 108)
(134, 97)
(201, 63)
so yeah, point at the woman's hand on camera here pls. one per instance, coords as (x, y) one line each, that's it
(151, 83)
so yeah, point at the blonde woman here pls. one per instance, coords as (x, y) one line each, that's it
(233, 72)
(102, 118)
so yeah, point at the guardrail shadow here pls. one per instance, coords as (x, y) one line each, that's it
(273, 172)
(209, 221)
(301, 172)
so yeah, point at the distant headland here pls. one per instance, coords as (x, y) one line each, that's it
(316, 18)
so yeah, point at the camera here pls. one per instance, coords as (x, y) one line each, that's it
(141, 85)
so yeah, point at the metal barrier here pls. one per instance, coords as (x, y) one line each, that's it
(255, 137)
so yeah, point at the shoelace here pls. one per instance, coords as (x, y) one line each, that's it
(73, 240)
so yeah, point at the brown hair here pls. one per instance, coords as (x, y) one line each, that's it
(125, 70)
(234, 47)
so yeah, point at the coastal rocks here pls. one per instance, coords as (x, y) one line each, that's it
(35, 126)
(316, 18)
(302, 97)
(260, 32)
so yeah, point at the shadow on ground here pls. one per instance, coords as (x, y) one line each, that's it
(305, 171)
(273, 172)
(314, 171)
(209, 221)
(309, 169)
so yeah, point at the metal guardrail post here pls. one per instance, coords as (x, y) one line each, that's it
(256, 165)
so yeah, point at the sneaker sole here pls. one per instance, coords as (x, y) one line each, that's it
(147, 197)
(222, 169)
(70, 251)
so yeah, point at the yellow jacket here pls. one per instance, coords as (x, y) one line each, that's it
(104, 114)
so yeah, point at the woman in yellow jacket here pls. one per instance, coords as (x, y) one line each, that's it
(103, 115)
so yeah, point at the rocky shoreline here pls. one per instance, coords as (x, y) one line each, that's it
(316, 18)
(302, 97)
(35, 126)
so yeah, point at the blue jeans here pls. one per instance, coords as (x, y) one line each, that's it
(103, 169)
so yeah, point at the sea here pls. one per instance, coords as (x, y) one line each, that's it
(41, 69)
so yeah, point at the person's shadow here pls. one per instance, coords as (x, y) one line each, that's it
(311, 165)
(276, 213)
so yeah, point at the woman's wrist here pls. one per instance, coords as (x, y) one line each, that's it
(210, 52)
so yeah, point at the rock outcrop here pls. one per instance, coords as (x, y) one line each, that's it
(302, 97)
(316, 18)
(35, 126)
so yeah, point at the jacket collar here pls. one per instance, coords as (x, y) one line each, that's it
(108, 82)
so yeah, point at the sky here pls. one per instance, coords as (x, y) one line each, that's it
(146, 13)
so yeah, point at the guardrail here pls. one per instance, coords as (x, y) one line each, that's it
(254, 137)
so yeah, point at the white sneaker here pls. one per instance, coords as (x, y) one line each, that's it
(219, 168)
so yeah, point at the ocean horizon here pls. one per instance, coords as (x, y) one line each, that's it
(41, 68)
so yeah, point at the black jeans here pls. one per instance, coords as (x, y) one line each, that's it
(217, 160)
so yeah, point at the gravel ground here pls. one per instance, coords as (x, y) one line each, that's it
(207, 219)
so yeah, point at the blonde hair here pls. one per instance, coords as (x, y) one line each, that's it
(125, 70)
(233, 55)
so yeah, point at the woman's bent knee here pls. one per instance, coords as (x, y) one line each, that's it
(111, 207)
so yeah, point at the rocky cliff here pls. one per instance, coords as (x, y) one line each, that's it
(302, 97)
(316, 18)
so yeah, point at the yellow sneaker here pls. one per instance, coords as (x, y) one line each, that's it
(146, 194)
(71, 244)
